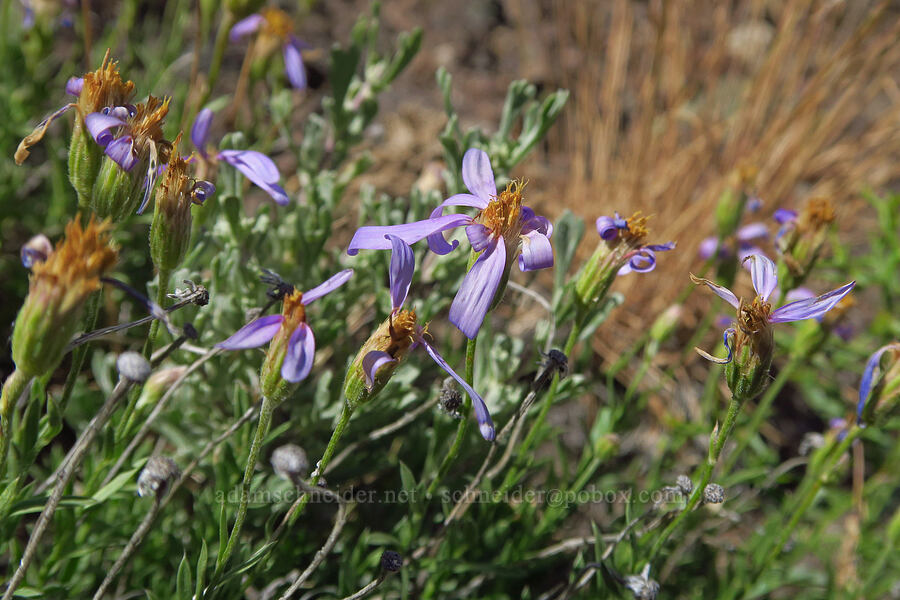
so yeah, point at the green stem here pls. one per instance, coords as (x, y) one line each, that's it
(221, 44)
(715, 449)
(463, 423)
(817, 479)
(762, 410)
(339, 428)
(262, 428)
(91, 313)
(162, 288)
(13, 387)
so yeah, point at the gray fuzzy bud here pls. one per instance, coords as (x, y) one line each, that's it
(642, 586)
(133, 366)
(290, 462)
(156, 476)
(391, 561)
(714, 494)
(684, 483)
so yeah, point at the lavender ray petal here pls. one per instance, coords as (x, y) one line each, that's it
(746, 251)
(99, 126)
(74, 86)
(764, 275)
(259, 169)
(800, 293)
(482, 415)
(730, 332)
(752, 231)
(121, 150)
(537, 223)
(784, 215)
(373, 361)
(722, 292)
(403, 265)
(660, 247)
(327, 286)
(812, 308)
(537, 253)
(253, 334)
(708, 247)
(372, 237)
(200, 129)
(478, 288)
(293, 66)
(479, 236)
(478, 175)
(462, 200)
(869, 376)
(245, 27)
(606, 227)
(301, 352)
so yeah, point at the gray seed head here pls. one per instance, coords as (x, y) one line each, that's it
(714, 494)
(450, 399)
(684, 483)
(391, 561)
(133, 366)
(156, 476)
(642, 586)
(289, 462)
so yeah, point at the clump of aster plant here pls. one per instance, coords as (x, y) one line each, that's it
(274, 28)
(503, 229)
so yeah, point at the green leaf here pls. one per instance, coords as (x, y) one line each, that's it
(183, 585)
(202, 561)
(113, 486)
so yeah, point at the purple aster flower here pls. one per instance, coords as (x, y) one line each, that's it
(401, 333)
(502, 229)
(36, 250)
(255, 166)
(628, 235)
(754, 317)
(291, 336)
(746, 238)
(870, 377)
(276, 23)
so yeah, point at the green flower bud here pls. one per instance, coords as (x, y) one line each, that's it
(804, 239)
(170, 232)
(157, 385)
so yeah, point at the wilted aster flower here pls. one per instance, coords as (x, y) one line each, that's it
(754, 318)
(883, 390)
(743, 246)
(35, 250)
(255, 166)
(388, 346)
(292, 348)
(275, 27)
(502, 228)
(801, 237)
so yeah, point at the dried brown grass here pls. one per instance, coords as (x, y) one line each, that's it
(671, 97)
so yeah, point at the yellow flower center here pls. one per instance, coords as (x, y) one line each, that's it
(277, 23)
(104, 87)
(293, 310)
(637, 229)
(503, 214)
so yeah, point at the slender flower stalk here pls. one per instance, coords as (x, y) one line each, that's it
(502, 229)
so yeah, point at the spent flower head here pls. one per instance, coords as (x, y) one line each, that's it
(503, 229)
(57, 290)
(801, 238)
(879, 388)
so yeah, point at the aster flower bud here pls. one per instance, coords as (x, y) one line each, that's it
(57, 291)
(157, 385)
(290, 462)
(733, 201)
(156, 476)
(879, 389)
(133, 142)
(170, 232)
(714, 493)
(665, 324)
